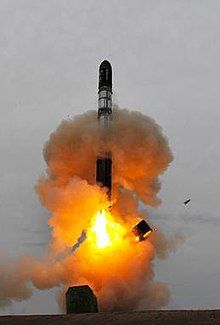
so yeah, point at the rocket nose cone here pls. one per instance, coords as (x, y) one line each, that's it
(105, 74)
(105, 64)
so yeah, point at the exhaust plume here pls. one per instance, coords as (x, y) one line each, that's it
(91, 239)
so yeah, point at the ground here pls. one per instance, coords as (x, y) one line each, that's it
(177, 317)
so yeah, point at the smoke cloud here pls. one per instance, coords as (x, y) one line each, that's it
(122, 277)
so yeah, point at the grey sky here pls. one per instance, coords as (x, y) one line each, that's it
(166, 63)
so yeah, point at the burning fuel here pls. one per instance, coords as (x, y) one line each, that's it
(98, 171)
(105, 232)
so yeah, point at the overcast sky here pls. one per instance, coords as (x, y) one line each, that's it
(166, 64)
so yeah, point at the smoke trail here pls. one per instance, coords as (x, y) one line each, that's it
(12, 286)
(123, 277)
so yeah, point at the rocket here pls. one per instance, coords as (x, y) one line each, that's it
(104, 160)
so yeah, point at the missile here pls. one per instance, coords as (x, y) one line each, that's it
(104, 160)
(105, 91)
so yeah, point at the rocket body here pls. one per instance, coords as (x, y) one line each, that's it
(105, 91)
(104, 160)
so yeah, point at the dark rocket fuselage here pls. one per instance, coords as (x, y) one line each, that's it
(104, 160)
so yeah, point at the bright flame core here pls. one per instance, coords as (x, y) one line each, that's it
(100, 229)
(105, 232)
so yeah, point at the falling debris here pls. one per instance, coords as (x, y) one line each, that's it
(141, 230)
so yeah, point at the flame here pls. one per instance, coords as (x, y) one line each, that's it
(138, 238)
(105, 231)
(147, 234)
(100, 230)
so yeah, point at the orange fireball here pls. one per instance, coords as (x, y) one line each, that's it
(105, 232)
